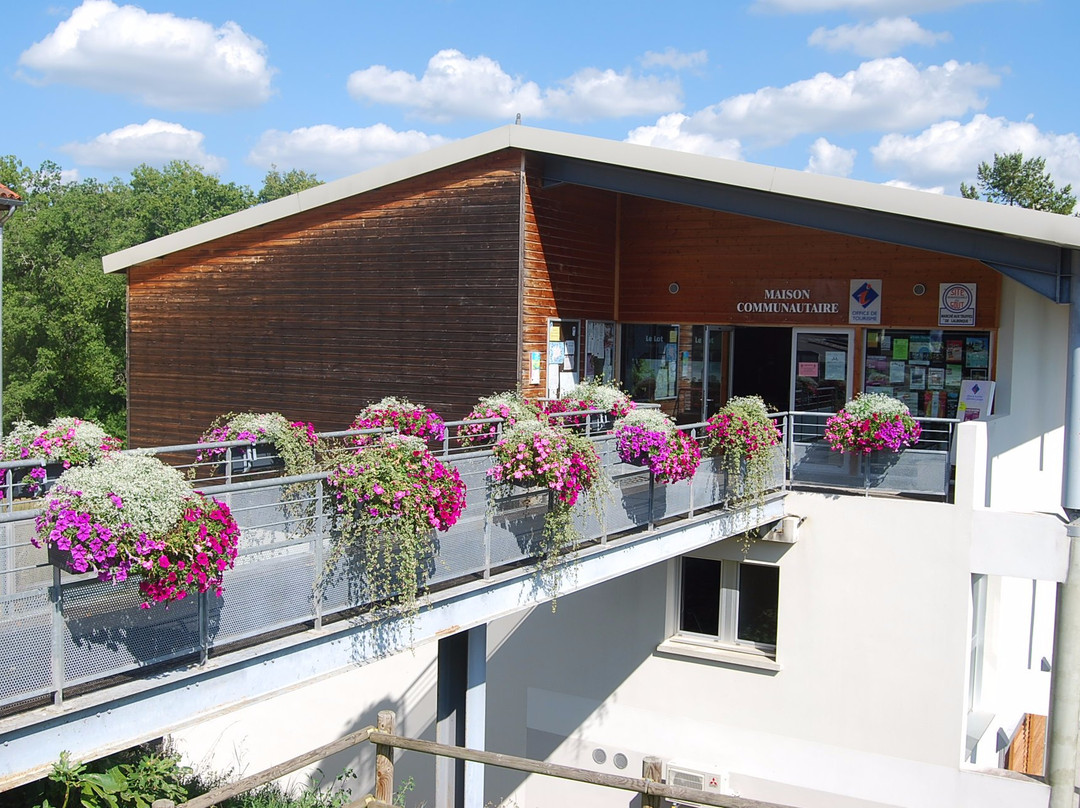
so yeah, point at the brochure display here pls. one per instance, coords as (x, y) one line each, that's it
(927, 370)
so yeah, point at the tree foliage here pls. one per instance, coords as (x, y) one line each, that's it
(277, 185)
(1012, 180)
(64, 319)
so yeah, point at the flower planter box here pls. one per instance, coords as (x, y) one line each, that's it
(27, 490)
(259, 457)
(61, 559)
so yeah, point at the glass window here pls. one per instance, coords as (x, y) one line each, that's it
(650, 359)
(730, 602)
(925, 369)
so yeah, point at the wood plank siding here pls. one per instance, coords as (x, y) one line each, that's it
(721, 259)
(569, 260)
(409, 290)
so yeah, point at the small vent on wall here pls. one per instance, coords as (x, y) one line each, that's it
(685, 777)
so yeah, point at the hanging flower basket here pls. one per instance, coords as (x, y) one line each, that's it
(64, 443)
(130, 515)
(391, 495)
(650, 438)
(403, 417)
(535, 454)
(510, 407)
(590, 395)
(744, 436)
(872, 422)
(277, 443)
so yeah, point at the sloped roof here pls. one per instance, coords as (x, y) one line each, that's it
(1008, 238)
(7, 193)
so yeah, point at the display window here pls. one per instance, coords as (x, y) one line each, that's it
(649, 366)
(926, 369)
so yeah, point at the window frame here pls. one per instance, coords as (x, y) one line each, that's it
(725, 647)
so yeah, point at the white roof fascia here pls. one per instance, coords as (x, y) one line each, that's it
(1015, 222)
(432, 160)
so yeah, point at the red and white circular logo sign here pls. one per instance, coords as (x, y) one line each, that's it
(957, 298)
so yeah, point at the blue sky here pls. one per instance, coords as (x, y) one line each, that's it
(913, 92)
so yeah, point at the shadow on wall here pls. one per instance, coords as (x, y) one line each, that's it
(528, 654)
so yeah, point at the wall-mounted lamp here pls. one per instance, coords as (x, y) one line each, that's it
(919, 289)
(673, 288)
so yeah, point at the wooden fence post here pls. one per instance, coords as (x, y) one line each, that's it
(651, 769)
(384, 759)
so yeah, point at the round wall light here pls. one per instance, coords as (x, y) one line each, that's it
(673, 288)
(919, 289)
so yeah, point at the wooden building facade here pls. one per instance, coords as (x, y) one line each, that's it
(482, 267)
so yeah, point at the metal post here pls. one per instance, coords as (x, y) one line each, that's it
(1064, 719)
(204, 627)
(476, 713)
(317, 551)
(1065, 683)
(452, 677)
(1070, 498)
(58, 657)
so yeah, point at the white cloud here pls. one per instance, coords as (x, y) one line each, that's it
(936, 189)
(69, 175)
(949, 152)
(882, 94)
(161, 59)
(592, 93)
(828, 158)
(875, 8)
(675, 59)
(332, 152)
(668, 133)
(154, 142)
(455, 85)
(879, 38)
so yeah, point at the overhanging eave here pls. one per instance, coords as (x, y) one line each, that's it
(1038, 265)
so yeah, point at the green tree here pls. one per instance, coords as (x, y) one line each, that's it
(277, 185)
(64, 319)
(182, 195)
(1012, 180)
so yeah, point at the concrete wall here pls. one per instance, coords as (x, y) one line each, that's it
(1026, 435)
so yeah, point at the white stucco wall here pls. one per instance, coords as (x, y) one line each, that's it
(264, 733)
(1026, 436)
(869, 706)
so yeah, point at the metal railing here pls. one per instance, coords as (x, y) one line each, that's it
(925, 469)
(61, 631)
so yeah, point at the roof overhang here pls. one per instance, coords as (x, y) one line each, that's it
(1035, 248)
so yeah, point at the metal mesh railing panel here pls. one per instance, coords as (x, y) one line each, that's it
(107, 633)
(263, 597)
(26, 647)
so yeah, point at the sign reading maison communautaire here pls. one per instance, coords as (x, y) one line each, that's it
(808, 301)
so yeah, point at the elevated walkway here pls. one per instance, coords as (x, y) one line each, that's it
(87, 671)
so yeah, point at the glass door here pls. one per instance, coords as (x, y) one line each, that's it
(821, 369)
(714, 375)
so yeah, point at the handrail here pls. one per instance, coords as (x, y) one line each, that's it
(383, 736)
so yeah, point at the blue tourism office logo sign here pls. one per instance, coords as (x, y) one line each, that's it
(864, 303)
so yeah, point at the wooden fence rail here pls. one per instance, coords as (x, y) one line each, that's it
(649, 785)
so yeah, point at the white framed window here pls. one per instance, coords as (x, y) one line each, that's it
(724, 610)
